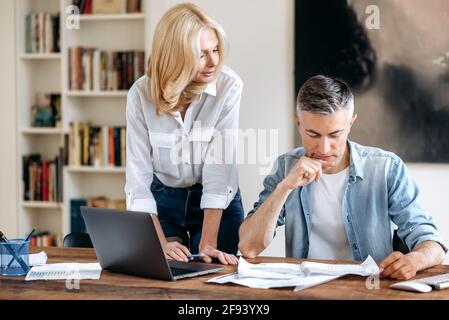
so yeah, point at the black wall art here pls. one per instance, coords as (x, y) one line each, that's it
(398, 68)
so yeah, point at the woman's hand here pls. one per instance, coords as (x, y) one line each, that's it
(208, 243)
(212, 252)
(176, 251)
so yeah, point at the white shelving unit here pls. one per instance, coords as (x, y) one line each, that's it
(97, 94)
(36, 72)
(49, 131)
(110, 17)
(88, 169)
(41, 205)
(40, 56)
(49, 73)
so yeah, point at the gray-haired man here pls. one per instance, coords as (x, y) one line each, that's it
(338, 199)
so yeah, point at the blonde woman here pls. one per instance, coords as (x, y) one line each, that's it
(181, 122)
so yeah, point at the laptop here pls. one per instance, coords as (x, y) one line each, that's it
(127, 242)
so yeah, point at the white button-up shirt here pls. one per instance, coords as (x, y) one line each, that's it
(200, 149)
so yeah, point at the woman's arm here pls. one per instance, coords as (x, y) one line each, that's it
(209, 234)
(173, 249)
(139, 172)
(139, 160)
(220, 172)
(220, 177)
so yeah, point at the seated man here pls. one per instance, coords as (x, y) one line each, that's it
(337, 199)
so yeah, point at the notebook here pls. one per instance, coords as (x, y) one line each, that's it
(63, 271)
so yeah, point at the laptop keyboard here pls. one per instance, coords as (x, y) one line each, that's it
(179, 272)
(441, 280)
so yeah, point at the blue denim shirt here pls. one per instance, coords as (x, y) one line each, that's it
(380, 192)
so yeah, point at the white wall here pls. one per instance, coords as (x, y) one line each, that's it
(433, 181)
(8, 163)
(261, 35)
(262, 41)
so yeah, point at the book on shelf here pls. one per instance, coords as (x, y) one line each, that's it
(46, 112)
(96, 146)
(93, 69)
(45, 239)
(42, 179)
(42, 33)
(108, 6)
(134, 6)
(76, 219)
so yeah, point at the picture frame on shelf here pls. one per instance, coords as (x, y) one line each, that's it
(47, 111)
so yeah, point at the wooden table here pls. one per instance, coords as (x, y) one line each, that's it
(120, 286)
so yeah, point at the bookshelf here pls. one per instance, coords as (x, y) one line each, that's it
(36, 73)
(49, 72)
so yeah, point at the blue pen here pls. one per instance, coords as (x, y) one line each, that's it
(30, 235)
(196, 256)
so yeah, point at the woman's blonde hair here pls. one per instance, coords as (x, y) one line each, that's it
(175, 56)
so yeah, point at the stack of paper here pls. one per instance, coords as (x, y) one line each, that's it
(300, 276)
(37, 259)
(62, 271)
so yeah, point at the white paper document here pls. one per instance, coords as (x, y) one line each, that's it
(264, 283)
(366, 268)
(63, 271)
(300, 276)
(37, 259)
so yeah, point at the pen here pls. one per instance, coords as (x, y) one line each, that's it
(3, 238)
(29, 236)
(196, 256)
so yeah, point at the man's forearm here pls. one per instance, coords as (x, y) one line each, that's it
(257, 231)
(428, 254)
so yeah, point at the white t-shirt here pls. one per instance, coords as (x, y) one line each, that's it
(328, 238)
